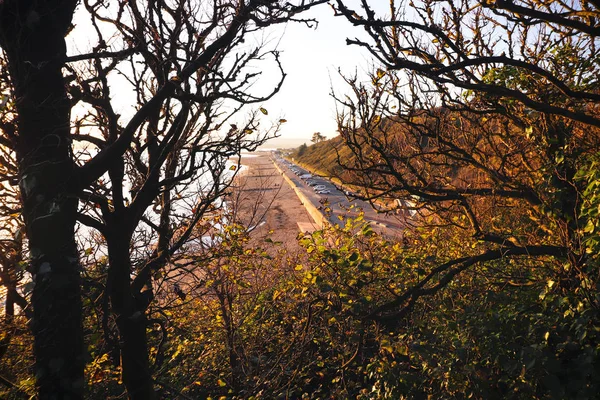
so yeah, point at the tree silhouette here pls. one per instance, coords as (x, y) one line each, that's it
(75, 152)
(470, 120)
(482, 116)
(317, 137)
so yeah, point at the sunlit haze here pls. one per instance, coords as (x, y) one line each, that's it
(311, 58)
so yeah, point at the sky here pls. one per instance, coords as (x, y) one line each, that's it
(311, 58)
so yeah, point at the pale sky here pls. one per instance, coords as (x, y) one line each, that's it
(310, 57)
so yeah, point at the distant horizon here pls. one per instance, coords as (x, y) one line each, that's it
(285, 143)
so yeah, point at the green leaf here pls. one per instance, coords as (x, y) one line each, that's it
(590, 227)
(528, 131)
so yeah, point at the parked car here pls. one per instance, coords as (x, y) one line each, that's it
(325, 191)
(319, 187)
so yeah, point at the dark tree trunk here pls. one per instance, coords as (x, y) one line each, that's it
(32, 36)
(130, 310)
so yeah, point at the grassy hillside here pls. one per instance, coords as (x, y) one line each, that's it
(323, 156)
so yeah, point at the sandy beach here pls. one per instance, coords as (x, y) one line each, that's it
(267, 204)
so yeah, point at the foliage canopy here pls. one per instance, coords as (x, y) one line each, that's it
(479, 119)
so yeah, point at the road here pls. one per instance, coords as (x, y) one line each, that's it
(339, 203)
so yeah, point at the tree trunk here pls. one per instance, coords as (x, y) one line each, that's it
(131, 318)
(32, 35)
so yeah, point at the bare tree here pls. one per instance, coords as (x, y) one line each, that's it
(482, 113)
(182, 59)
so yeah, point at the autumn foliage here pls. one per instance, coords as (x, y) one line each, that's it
(126, 271)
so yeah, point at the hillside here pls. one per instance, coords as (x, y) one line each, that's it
(322, 157)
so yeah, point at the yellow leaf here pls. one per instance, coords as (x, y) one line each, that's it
(387, 348)
(233, 168)
(264, 111)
